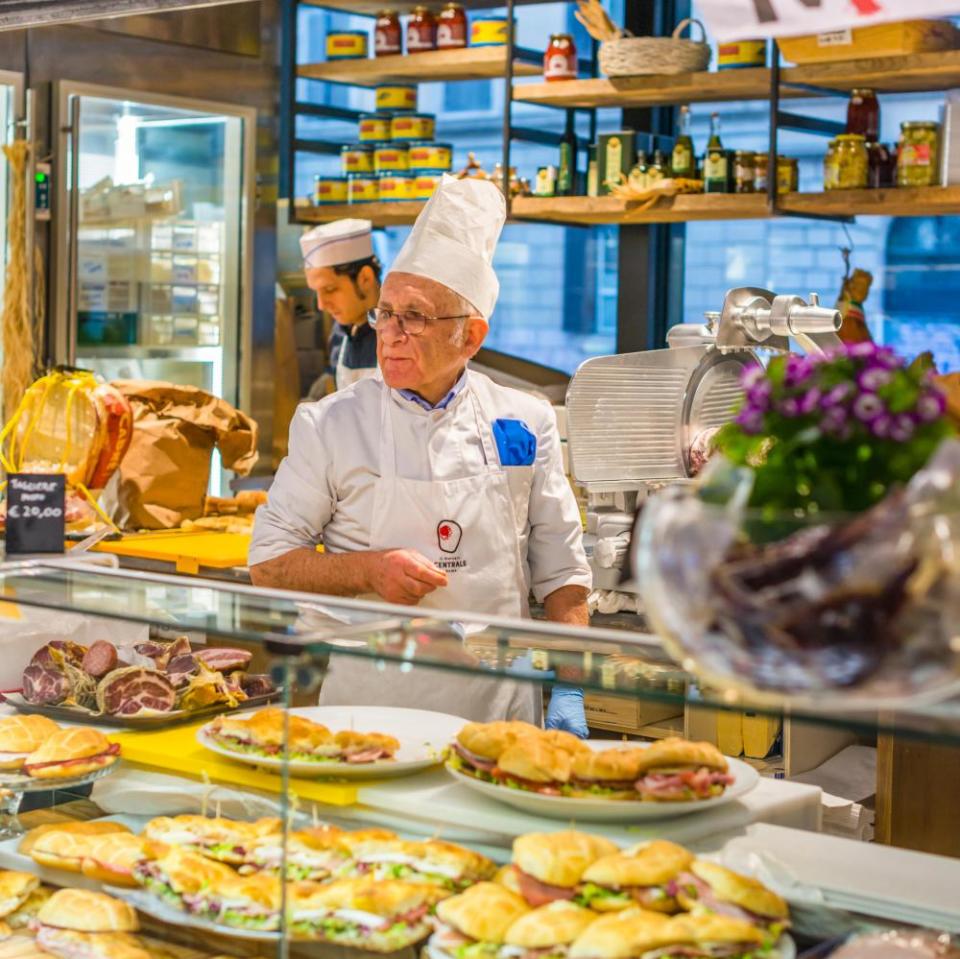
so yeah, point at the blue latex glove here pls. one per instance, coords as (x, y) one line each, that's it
(566, 711)
(516, 444)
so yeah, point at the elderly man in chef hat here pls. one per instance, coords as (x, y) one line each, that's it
(430, 485)
(341, 269)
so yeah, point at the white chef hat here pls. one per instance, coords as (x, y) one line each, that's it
(342, 241)
(454, 238)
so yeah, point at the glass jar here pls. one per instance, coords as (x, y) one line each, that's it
(744, 172)
(918, 160)
(421, 31)
(760, 164)
(560, 58)
(863, 114)
(451, 27)
(388, 35)
(882, 166)
(831, 168)
(788, 174)
(852, 162)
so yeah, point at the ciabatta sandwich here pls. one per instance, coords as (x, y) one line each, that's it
(630, 934)
(547, 932)
(312, 854)
(225, 840)
(71, 752)
(443, 864)
(64, 850)
(20, 735)
(639, 876)
(377, 916)
(609, 774)
(676, 770)
(711, 888)
(85, 911)
(96, 827)
(475, 923)
(111, 858)
(550, 866)
(478, 746)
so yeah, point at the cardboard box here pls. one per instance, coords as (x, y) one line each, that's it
(623, 714)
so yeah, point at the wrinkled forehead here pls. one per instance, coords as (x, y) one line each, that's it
(407, 291)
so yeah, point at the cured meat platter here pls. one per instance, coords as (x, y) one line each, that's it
(144, 686)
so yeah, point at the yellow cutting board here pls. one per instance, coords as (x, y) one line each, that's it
(176, 750)
(186, 549)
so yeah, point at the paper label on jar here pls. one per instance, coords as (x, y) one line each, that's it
(915, 154)
(838, 38)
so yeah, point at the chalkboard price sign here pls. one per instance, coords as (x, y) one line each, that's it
(35, 512)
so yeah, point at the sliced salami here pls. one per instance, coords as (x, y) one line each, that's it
(100, 659)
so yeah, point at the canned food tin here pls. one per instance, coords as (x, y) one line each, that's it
(347, 45)
(329, 189)
(363, 188)
(356, 158)
(427, 155)
(488, 32)
(391, 156)
(396, 97)
(374, 126)
(395, 187)
(742, 53)
(425, 184)
(413, 126)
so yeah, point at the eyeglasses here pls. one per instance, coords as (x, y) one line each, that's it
(411, 322)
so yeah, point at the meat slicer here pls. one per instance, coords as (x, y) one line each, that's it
(637, 421)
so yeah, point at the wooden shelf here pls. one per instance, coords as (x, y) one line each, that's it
(933, 201)
(909, 74)
(380, 214)
(472, 63)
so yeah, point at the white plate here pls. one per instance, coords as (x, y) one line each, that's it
(423, 737)
(611, 810)
(153, 906)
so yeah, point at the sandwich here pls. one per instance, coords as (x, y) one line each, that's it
(547, 932)
(58, 849)
(713, 937)
(631, 934)
(707, 887)
(96, 827)
(610, 774)
(74, 751)
(26, 912)
(85, 911)
(376, 916)
(550, 866)
(69, 944)
(263, 735)
(533, 765)
(15, 889)
(312, 854)
(676, 770)
(443, 864)
(567, 741)
(478, 746)
(111, 858)
(475, 923)
(225, 840)
(210, 889)
(20, 736)
(639, 876)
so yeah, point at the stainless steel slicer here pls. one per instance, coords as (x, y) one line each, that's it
(633, 418)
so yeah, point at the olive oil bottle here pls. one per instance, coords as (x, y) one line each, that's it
(716, 163)
(683, 162)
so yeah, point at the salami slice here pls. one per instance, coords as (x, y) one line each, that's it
(100, 659)
(135, 689)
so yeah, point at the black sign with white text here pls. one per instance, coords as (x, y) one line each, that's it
(35, 512)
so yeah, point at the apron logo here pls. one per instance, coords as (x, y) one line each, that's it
(449, 534)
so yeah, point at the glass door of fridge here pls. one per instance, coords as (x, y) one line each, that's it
(156, 188)
(10, 94)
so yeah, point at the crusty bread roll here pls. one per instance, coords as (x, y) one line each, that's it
(266, 728)
(85, 911)
(559, 858)
(610, 765)
(348, 739)
(711, 927)
(64, 748)
(484, 912)
(566, 741)
(675, 753)
(96, 827)
(625, 935)
(63, 850)
(387, 898)
(489, 740)
(743, 891)
(20, 735)
(558, 923)
(506, 876)
(15, 889)
(24, 914)
(647, 864)
(110, 859)
(90, 945)
(537, 761)
(188, 872)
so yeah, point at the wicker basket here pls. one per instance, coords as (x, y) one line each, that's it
(645, 56)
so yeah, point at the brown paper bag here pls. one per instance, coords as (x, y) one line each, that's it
(163, 478)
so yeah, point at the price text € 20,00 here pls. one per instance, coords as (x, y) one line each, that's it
(34, 512)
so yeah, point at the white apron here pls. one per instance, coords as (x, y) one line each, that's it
(468, 528)
(347, 376)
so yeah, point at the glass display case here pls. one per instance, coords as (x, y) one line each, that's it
(358, 812)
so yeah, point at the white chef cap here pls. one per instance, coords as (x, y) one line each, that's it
(454, 238)
(331, 244)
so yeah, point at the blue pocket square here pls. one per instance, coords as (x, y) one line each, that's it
(516, 443)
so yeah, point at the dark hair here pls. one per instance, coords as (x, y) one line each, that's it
(353, 268)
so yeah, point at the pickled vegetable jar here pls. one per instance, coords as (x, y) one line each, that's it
(831, 169)
(918, 162)
(788, 175)
(852, 161)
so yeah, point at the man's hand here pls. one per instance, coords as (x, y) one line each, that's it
(402, 575)
(566, 711)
